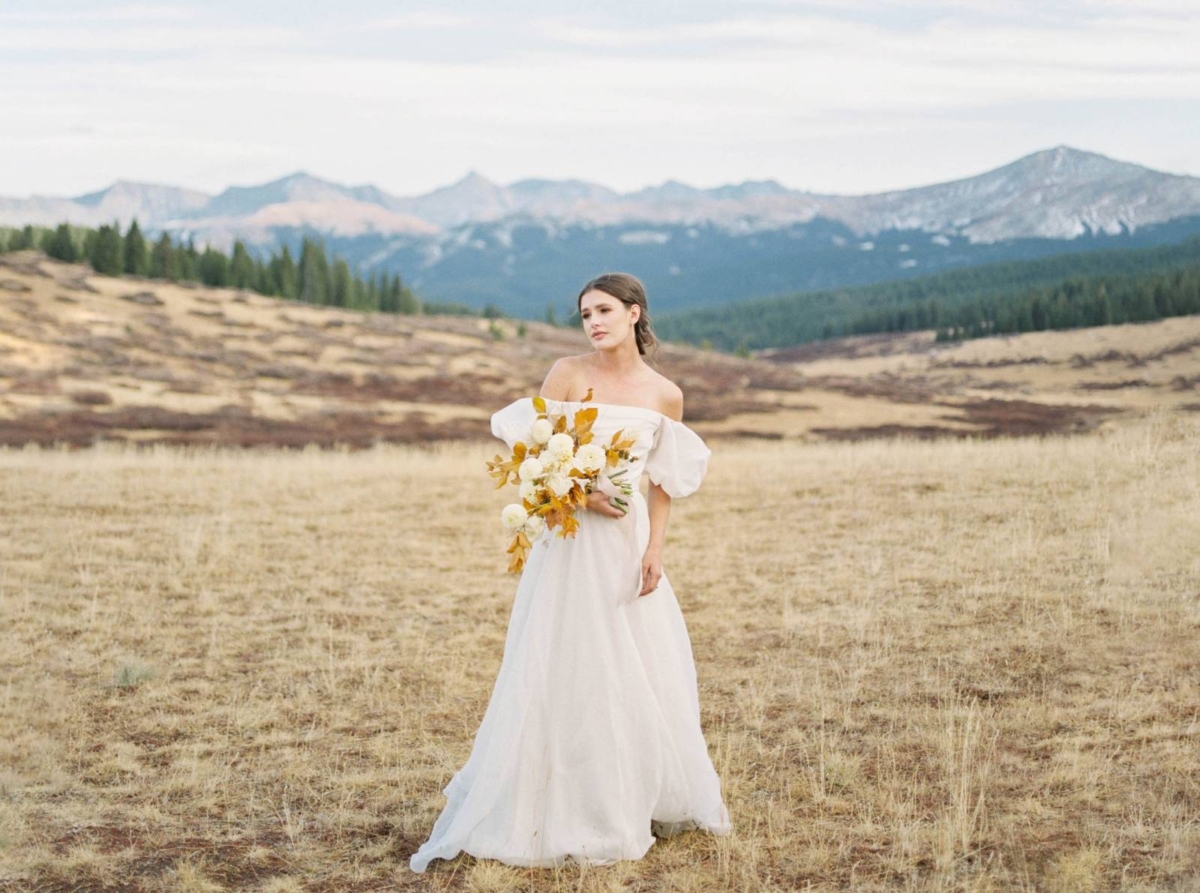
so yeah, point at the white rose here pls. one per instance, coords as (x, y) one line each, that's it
(530, 469)
(534, 526)
(591, 457)
(513, 516)
(541, 430)
(561, 445)
(559, 484)
(529, 492)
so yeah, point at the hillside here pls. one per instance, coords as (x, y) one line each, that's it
(86, 358)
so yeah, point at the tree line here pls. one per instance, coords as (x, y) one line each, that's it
(1078, 302)
(1063, 291)
(315, 277)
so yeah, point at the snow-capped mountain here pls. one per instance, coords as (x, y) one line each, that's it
(477, 241)
(1059, 193)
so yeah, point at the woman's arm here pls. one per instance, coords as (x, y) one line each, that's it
(659, 507)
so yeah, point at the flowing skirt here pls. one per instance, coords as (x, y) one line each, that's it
(592, 735)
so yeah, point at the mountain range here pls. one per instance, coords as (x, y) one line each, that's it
(532, 242)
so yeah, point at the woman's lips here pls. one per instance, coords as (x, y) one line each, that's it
(596, 335)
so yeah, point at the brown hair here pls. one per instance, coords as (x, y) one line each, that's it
(627, 289)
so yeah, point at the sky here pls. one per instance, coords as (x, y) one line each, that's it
(843, 96)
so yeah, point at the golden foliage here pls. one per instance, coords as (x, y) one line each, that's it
(557, 511)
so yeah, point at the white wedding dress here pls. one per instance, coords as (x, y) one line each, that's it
(592, 736)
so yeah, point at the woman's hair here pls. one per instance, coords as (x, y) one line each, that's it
(627, 289)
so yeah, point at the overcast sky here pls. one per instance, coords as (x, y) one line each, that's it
(845, 96)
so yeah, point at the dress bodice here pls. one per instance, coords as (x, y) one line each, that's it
(670, 453)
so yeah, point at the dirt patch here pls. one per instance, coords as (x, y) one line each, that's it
(1113, 385)
(854, 347)
(233, 426)
(992, 418)
(706, 408)
(873, 432)
(989, 364)
(146, 298)
(91, 398)
(1007, 418)
(888, 387)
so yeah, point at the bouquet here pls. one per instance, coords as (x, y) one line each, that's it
(555, 472)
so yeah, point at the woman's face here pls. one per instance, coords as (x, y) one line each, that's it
(606, 321)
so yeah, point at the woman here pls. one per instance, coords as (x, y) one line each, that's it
(591, 742)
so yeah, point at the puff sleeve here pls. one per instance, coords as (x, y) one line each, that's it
(678, 460)
(512, 423)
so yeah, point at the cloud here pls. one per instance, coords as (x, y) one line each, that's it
(128, 13)
(412, 99)
(423, 20)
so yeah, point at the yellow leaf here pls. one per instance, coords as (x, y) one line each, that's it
(539, 404)
(561, 425)
(517, 563)
(587, 396)
(519, 451)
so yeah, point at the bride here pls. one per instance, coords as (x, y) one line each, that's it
(591, 743)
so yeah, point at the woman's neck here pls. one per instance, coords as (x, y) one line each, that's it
(619, 363)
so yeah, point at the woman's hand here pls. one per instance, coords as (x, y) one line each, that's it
(598, 503)
(652, 570)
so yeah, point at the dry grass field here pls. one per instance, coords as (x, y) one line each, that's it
(933, 654)
(924, 665)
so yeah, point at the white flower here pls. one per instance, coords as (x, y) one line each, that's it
(559, 484)
(530, 469)
(529, 492)
(513, 516)
(534, 527)
(591, 457)
(560, 445)
(541, 430)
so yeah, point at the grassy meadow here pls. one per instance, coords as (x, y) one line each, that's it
(924, 665)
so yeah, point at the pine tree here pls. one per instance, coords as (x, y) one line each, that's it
(20, 239)
(314, 273)
(62, 245)
(188, 260)
(343, 284)
(135, 258)
(107, 251)
(389, 296)
(164, 264)
(213, 267)
(285, 274)
(263, 283)
(407, 301)
(241, 268)
(362, 295)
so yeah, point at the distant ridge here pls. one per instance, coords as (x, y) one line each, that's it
(528, 243)
(1056, 193)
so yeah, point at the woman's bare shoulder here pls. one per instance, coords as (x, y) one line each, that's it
(562, 375)
(668, 396)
